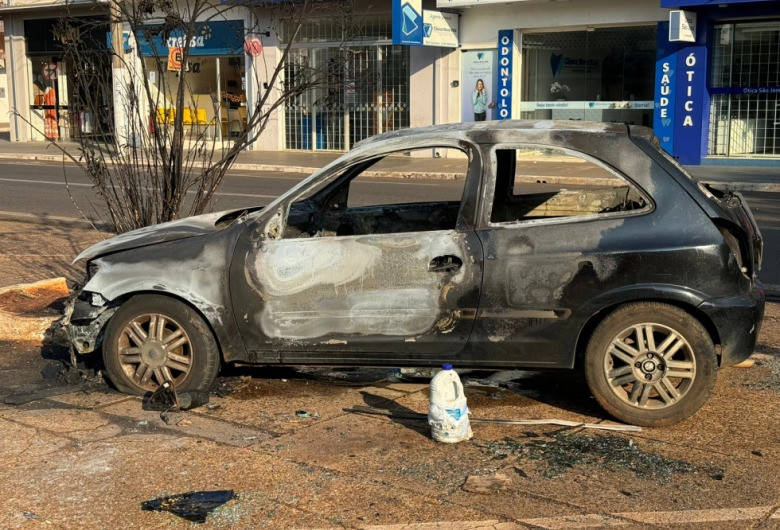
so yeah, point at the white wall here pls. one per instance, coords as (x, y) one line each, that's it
(3, 100)
(479, 25)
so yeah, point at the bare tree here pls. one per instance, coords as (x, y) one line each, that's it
(153, 149)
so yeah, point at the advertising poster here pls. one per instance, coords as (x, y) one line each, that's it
(477, 65)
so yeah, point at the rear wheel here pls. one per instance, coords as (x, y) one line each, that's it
(152, 339)
(650, 364)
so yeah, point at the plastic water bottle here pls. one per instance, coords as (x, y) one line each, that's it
(448, 414)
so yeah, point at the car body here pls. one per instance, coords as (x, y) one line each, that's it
(631, 269)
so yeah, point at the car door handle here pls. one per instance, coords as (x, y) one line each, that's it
(445, 264)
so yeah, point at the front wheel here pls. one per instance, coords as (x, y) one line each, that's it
(650, 364)
(152, 339)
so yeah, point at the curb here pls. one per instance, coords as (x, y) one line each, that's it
(52, 220)
(57, 285)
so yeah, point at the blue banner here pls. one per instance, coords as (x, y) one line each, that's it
(408, 22)
(665, 88)
(506, 50)
(690, 102)
(225, 37)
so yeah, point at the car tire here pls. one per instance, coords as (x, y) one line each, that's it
(180, 346)
(659, 378)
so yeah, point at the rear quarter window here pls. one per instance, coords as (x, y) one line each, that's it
(535, 183)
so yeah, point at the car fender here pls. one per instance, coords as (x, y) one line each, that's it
(202, 283)
(599, 307)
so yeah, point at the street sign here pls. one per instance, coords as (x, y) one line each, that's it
(174, 59)
(682, 26)
(49, 71)
(253, 46)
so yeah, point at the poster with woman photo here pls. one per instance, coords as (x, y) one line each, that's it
(476, 85)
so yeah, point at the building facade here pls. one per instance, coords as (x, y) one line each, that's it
(724, 89)
(714, 100)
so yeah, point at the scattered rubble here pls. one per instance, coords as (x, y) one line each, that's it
(486, 485)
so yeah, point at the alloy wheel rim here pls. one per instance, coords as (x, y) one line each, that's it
(154, 348)
(650, 366)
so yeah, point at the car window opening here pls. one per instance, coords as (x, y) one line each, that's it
(353, 205)
(536, 183)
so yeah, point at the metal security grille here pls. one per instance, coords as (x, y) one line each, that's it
(362, 90)
(745, 87)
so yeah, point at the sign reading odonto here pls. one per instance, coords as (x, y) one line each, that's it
(506, 49)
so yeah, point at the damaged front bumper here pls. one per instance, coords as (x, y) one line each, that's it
(84, 318)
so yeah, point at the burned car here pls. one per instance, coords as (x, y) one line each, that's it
(564, 245)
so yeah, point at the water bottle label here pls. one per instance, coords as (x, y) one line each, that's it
(456, 414)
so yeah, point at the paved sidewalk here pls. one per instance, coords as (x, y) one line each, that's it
(742, 178)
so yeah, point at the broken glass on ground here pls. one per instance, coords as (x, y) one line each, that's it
(193, 506)
(563, 451)
(166, 398)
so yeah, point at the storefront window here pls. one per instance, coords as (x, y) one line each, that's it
(214, 98)
(745, 90)
(214, 104)
(65, 78)
(363, 88)
(604, 74)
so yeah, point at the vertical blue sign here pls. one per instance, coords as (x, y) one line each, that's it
(407, 22)
(665, 88)
(506, 50)
(690, 101)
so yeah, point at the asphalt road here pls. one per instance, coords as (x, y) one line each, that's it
(39, 188)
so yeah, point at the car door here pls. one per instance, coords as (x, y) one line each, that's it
(559, 228)
(360, 283)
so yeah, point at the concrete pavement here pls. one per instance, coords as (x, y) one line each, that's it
(297, 449)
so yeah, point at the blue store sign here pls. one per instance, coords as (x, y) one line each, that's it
(680, 97)
(224, 37)
(506, 49)
(665, 88)
(407, 22)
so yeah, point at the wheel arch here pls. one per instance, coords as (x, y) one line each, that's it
(587, 330)
(121, 299)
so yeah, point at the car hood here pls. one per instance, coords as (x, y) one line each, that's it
(171, 231)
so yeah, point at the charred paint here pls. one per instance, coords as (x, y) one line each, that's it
(358, 293)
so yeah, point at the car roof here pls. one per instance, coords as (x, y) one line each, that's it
(459, 130)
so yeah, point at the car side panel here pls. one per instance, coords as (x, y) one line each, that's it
(544, 280)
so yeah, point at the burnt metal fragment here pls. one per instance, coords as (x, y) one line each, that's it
(193, 506)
